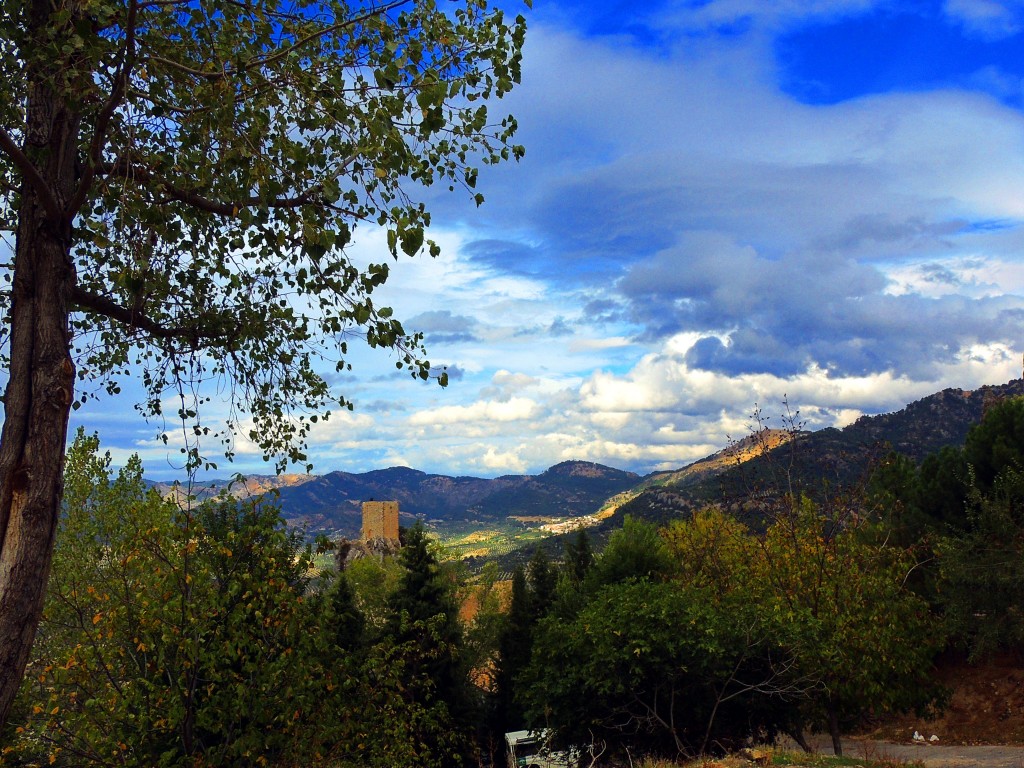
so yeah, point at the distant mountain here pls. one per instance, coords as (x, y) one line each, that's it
(253, 485)
(333, 502)
(838, 456)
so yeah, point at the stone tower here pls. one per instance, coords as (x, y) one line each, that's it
(380, 520)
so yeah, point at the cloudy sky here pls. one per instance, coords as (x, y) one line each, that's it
(724, 203)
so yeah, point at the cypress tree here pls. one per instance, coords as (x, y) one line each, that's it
(424, 626)
(543, 581)
(514, 647)
(579, 556)
(348, 623)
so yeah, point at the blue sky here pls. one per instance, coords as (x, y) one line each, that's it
(723, 203)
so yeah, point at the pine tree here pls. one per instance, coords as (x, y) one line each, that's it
(579, 556)
(348, 623)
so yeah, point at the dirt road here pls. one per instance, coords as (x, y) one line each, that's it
(932, 755)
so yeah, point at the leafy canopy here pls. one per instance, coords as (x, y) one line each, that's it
(226, 152)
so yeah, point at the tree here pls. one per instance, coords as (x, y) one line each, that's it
(943, 488)
(542, 580)
(859, 637)
(579, 556)
(183, 179)
(186, 639)
(171, 638)
(996, 443)
(845, 634)
(373, 580)
(348, 623)
(424, 627)
(634, 551)
(514, 645)
(983, 568)
(653, 666)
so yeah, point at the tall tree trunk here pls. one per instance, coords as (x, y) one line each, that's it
(833, 728)
(797, 734)
(40, 388)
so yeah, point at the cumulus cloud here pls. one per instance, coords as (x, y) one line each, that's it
(779, 315)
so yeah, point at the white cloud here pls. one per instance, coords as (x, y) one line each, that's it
(675, 205)
(507, 461)
(976, 275)
(513, 381)
(991, 19)
(455, 416)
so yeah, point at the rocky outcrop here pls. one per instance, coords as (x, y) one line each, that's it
(348, 551)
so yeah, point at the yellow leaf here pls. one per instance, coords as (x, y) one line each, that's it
(380, 173)
(96, 619)
(55, 710)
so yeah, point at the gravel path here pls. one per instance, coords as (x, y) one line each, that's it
(932, 755)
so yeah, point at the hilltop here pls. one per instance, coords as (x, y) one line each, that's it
(238, 488)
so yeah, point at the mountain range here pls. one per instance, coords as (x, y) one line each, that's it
(331, 503)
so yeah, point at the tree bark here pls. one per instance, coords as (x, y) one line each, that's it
(40, 387)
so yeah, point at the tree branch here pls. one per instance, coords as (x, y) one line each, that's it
(136, 172)
(262, 62)
(326, 31)
(31, 174)
(103, 118)
(135, 319)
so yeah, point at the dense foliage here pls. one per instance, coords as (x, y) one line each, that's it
(963, 507)
(716, 633)
(196, 637)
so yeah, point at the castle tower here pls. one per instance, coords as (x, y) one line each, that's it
(380, 520)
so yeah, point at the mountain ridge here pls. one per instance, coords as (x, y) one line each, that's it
(572, 489)
(569, 489)
(841, 456)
